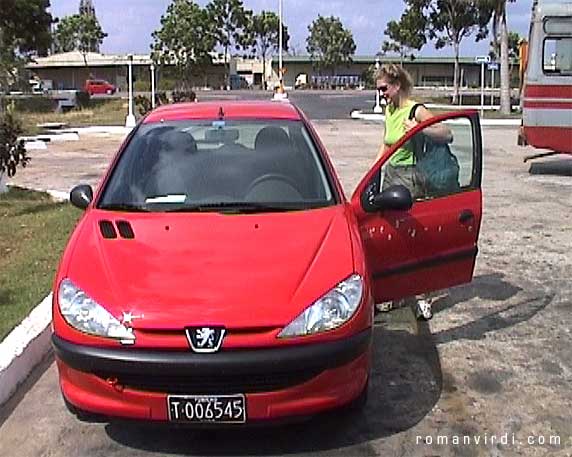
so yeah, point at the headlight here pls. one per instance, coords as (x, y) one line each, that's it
(332, 310)
(85, 315)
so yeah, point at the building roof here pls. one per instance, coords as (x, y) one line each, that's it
(370, 59)
(255, 109)
(94, 59)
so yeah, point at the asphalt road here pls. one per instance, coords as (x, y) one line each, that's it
(495, 359)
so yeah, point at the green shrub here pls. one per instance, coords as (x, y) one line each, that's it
(32, 104)
(184, 96)
(142, 86)
(12, 150)
(143, 104)
(161, 98)
(166, 84)
(82, 99)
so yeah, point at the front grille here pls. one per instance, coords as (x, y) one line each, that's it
(212, 385)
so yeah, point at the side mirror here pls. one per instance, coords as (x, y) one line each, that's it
(395, 198)
(81, 196)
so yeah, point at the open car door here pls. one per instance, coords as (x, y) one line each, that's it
(420, 223)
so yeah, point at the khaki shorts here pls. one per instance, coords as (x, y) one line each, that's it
(405, 175)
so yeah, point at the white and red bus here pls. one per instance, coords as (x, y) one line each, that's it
(547, 91)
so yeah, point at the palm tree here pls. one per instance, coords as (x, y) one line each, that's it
(500, 31)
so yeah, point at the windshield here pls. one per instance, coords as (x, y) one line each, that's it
(209, 165)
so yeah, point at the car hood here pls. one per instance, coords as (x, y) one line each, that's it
(186, 269)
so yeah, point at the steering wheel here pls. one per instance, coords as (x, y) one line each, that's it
(276, 186)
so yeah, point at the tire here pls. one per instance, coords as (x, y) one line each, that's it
(109, 92)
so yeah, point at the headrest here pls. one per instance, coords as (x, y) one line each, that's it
(271, 137)
(178, 142)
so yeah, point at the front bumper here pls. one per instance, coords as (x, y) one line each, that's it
(278, 382)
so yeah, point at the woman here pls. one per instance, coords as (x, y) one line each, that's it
(395, 84)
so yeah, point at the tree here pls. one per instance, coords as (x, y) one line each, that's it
(12, 150)
(232, 28)
(329, 43)
(79, 32)
(406, 35)
(24, 32)
(185, 39)
(265, 36)
(497, 9)
(450, 21)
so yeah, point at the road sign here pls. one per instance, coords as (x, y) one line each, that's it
(482, 59)
(493, 66)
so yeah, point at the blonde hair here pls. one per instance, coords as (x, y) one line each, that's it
(395, 74)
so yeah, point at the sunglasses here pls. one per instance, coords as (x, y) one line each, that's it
(382, 88)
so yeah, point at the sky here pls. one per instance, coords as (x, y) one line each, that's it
(129, 23)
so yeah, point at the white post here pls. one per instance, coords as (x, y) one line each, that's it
(280, 38)
(130, 121)
(482, 89)
(461, 86)
(152, 68)
(280, 93)
(492, 86)
(377, 108)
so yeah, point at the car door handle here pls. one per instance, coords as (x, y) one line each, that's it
(465, 216)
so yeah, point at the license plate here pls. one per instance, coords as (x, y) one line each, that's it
(229, 409)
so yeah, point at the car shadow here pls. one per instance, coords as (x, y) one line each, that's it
(406, 383)
(489, 288)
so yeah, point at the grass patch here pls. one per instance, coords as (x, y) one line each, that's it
(33, 232)
(102, 112)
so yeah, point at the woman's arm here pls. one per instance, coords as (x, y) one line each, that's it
(438, 132)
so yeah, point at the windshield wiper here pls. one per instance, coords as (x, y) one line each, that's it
(242, 207)
(129, 207)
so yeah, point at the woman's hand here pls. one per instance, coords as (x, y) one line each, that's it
(409, 124)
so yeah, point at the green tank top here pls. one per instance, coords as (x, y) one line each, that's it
(394, 130)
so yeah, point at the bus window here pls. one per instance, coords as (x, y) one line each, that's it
(557, 58)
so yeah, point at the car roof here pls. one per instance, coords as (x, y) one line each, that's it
(260, 109)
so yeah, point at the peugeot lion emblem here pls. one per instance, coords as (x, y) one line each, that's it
(205, 339)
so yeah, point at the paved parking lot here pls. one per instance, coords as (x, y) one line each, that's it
(494, 365)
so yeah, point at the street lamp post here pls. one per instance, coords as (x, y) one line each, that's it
(152, 69)
(130, 121)
(280, 93)
(377, 108)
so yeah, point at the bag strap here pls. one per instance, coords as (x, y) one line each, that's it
(413, 109)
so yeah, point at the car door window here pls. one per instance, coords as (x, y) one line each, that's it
(441, 161)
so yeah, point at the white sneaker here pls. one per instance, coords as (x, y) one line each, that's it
(423, 310)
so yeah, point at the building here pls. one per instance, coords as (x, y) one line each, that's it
(425, 71)
(70, 70)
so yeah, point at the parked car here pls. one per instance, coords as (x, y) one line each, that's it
(220, 275)
(99, 86)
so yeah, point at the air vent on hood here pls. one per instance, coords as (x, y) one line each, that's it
(107, 229)
(125, 229)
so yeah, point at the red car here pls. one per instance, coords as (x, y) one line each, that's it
(99, 86)
(220, 275)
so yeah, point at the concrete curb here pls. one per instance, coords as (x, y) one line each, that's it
(24, 348)
(357, 114)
